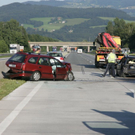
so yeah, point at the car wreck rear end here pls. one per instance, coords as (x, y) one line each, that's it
(16, 64)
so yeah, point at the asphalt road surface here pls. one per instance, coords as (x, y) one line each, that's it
(89, 105)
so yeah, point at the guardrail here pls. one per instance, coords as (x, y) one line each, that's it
(6, 54)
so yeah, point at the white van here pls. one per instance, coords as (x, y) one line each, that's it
(79, 51)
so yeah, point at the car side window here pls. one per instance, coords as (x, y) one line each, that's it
(52, 62)
(43, 61)
(58, 63)
(55, 62)
(33, 60)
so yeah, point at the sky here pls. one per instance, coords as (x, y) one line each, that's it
(6, 2)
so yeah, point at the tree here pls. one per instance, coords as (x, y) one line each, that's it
(132, 42)
(120, 28)
(3, 46)
(11, 32)
(110, 28)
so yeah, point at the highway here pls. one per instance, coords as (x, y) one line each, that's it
(89, 105)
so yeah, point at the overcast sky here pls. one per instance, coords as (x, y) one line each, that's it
(6, 2)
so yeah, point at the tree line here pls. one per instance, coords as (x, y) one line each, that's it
(126, 31)
(11, 32)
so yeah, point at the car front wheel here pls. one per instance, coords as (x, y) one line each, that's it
(35, 76)
(70, 76)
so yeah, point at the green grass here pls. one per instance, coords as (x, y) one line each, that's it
(55, 26)
(112, 19)
(107, 18)
(28, 25)
(98, 26)
(8, 85)
(76, 21)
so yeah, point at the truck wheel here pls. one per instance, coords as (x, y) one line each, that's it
(35, 76)
(70, 76)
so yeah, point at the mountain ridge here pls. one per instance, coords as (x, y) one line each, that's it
(124, 5)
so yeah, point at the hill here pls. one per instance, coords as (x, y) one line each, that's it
(23, 12)
(85, 3)
(127, 6)
(91, 24)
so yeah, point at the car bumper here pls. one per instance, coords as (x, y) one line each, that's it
(15, 75)
(130, 72)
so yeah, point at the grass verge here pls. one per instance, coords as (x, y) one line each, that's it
(9, 85)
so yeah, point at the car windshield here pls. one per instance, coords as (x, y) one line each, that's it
(18, 58)
(55, 54)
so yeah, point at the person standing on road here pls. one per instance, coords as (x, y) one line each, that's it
(111, 63)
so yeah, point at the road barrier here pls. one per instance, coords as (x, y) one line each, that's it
(6, 54)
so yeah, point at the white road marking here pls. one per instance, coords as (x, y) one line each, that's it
(8, 120)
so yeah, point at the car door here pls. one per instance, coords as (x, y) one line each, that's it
(31, 65)
(121, 64)
(61, 71)
(45, 68)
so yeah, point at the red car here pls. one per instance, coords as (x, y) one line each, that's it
(38, 66)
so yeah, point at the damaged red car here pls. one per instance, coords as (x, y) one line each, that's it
(38, 66)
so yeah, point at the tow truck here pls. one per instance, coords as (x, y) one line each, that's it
(105, 43)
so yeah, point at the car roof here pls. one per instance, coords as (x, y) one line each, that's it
(34, 54)
(130, 56)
